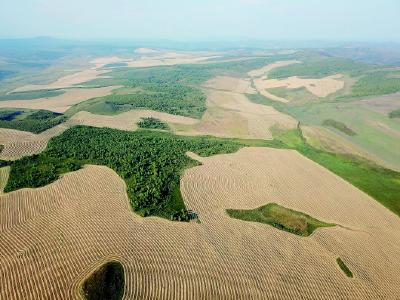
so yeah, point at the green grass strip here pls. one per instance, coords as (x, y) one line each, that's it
(280, 217)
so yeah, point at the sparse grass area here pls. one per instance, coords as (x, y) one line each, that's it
(339, 126)
(32, 95)
(344, 268)
(280, 217)
(394, 114)
(30, 120)
(107, 282)
(152, 123)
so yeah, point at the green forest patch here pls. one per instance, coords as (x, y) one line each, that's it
(35, 121)
(280, 217)
(344, 267)
(394, 114)
(339, 126)
(152, 123)
(105, 283)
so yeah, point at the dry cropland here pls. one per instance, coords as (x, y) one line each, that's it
(137, 157)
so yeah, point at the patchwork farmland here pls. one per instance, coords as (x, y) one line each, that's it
(197, 175)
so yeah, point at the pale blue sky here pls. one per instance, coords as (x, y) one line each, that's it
(360, 20)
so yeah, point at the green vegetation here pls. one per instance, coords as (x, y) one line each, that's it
(150, 162)
(171, 89)
(321, 67)
(9, 114)
(339, 126)
(175, 99)
(394, 114)
(376, 83)
(107, 282)
(4, 163)
(152, 123)
(280, 217)
(344, 268)
(32, 95)
(161, 89)
(27, 120)
(380, 183)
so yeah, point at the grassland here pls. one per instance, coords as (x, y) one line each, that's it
(29, 120)
(280, 217)
(105, 283)
(152, 123)
(344, 268)
(339, 126)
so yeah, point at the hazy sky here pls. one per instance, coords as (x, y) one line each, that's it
(203, 19)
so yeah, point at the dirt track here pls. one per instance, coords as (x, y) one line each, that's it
(62, 238)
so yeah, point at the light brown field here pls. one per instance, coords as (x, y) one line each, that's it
(22, 143)
(66, 81)
(75, 78)
(128, 120)
(62, 102)
(231, 84)
(264, 70)
(259, 76)
(320, 87)
(50, 239)
(4, 172)
(231, 114)
(166, 61)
